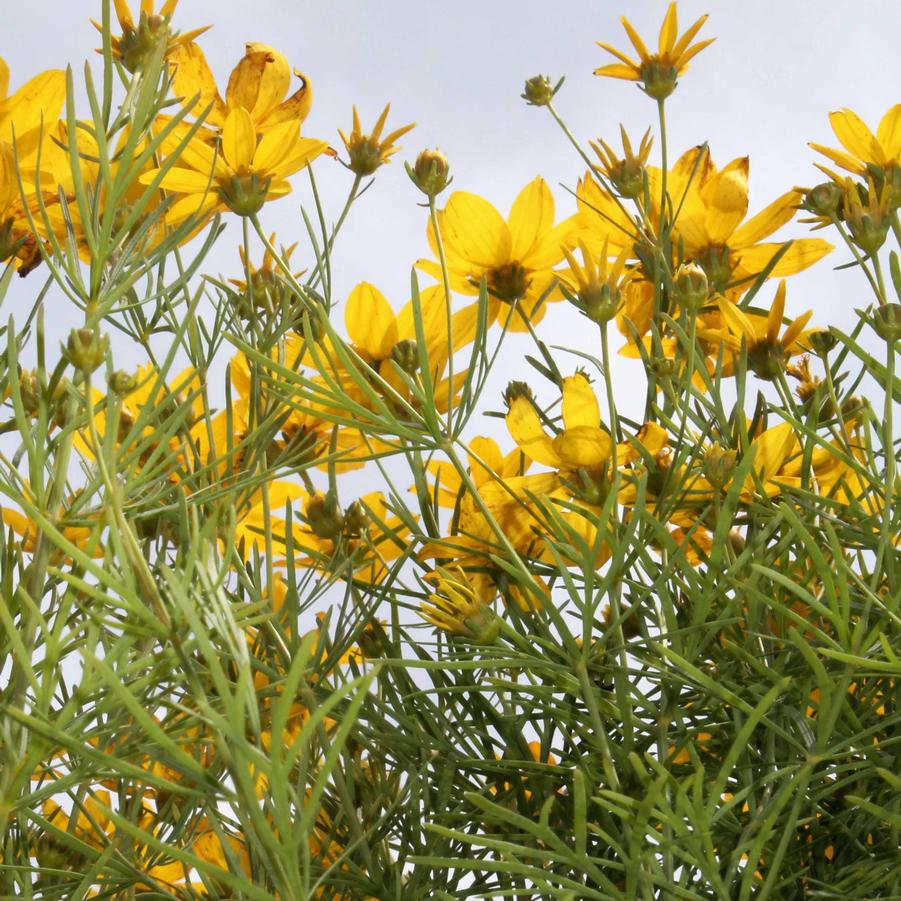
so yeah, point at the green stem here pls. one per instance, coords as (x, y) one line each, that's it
(445, 281)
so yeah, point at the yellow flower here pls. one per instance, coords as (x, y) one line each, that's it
(27, 116)
(258, 84)
(597, 285)
(245, 173)
(865, 151)
(658, 71)
(712, 228)
(767, 351)
(457, 607)
(516, 257)
(626, 173)
(368, 152)
(582, 443)
(137, 44)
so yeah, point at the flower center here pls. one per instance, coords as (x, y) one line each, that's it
(508, 282)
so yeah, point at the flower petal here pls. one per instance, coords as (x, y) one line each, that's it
(370, 321)
(767, 221)
(726, 198)
(531, 217)
(889, 133)
(855, 136)
(476, 238)
(583, 446)
(580, 405)
(526, 429)
(239, 139)
(803, 252)
(275, 145)
(193, 76)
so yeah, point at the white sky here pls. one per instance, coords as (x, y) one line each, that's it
(764, 88)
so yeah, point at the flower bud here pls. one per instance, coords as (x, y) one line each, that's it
(406, 354)
(86, 349)
(823, 200)
(691, 286)
(658, 78)
(601, 302)
(355, 520)
(538, 91)
(887, 322)
(30, 391)
(854, 407)
(324, 516)
(122, 383)
(516, 389)
(431, 172)
(718, 465)
(821, 341)
(662, 367)
(767, 360)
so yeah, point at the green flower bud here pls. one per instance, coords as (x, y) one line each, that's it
(823, 200)
(821, 341)
(538, 91)
(86, 349)
(601, 302)
(718, 465)
(406, 354)
(324, 516)
(887, 322)
(122, 383)
(431, 172)
(691, 286)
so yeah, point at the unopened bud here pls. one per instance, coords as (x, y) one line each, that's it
(406, 354)
(431, 172)
(86, 349)
(355, 520)
(821, 341)
(663, 368)
(691, 286)
(824, 199)
(122, 383)
(517, 389)
(887, 322)
(538, 91)
(718, 465)
(601, 302)
(324, 516)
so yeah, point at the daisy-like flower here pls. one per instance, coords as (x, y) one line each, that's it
(457, 606)
(767, 351)
(866, 153)
(516, 257)
(259, 84)
(245, 173)
(867, 211)
(596, 283)
(582, 443)
(369, 151)
(140, 40)
(656, 72)
(626, 173)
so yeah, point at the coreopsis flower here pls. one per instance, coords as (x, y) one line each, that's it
(383, 339)
(456, 607)
(516, 257)
(767, 352)
(267, 289)
(140, 40)
(867, 213)
(713, 230)
(26, 117)
(867, 154)
(582, 443)
(596, 284)
(258, 84)
(367, 152)
(656, 72)
(627, 173)
(245, 173)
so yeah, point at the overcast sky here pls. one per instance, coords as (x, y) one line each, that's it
(764, 89)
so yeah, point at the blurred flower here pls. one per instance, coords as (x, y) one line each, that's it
(135, 47)
(516, 257)
(245, 173)
(368, 152)
(259, 84)
(657, 72)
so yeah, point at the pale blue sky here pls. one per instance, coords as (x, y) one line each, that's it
(764, 88)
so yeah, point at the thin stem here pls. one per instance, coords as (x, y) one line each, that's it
(445, 281)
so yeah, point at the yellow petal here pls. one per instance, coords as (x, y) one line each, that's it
(296, 107)
(618, 70)
(179, 180)
(239, 139)
(583, 446)
(580, 405)
(803, 252)
(768, 220)
(274, 79)
(38, 100)
(855, 136)
(476, 238)
(484, 450)
(4, 80)
(668, 30)
(736, 320)
(370, 321)
(275, 145)
(304, 151)
(123, 14)
(889, 133)
(635, 38)
(526, 429)
(726, 197)
(192, 76)
(531, 217)
(772, 450)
